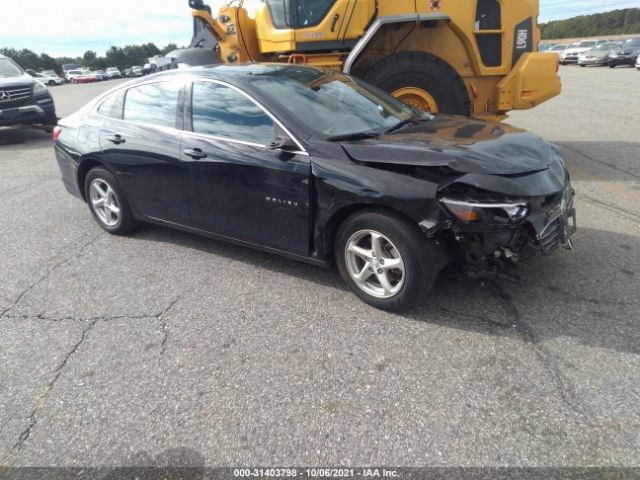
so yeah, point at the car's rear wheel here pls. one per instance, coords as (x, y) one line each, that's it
(107, 202)
(385, 260)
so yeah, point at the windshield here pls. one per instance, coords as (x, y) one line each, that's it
(8, 68)
(632, 42)
(585, 44)
(605, 46)
(332, 104)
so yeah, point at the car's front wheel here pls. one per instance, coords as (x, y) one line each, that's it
(385, 260)
(107, 202)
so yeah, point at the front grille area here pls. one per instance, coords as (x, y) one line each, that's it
(14, 96)
(551, 236)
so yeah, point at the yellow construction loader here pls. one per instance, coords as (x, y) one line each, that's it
(456, 56)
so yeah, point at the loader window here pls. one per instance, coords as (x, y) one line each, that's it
(489, 42)
(298, 13)
(310, 13)
(280, 13)
(223, 112)
(488, 15)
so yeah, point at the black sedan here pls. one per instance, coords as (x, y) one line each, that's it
(626, 54)
(321, 167)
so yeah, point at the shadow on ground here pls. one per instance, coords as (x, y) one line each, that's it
(565, 294)
(25, 137)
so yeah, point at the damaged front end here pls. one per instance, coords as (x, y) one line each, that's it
(496, 221)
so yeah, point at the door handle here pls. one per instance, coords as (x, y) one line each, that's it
(117, 139)
(335, 20)
(195, 153)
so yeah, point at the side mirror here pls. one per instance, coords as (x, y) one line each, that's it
(283, 142)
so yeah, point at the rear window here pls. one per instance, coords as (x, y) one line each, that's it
(153, 103)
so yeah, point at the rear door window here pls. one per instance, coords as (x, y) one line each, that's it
(153, 104)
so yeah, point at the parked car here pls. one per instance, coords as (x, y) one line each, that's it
(149, 68)
(570, 55)
(114, 72)
(82, 76)
(101, 74)
(558, 48)
(598, 55)
(48, 79)
(23, 99)
(127, 73)
(137, 71)
(320, 167)
(626, 54)
(72, 74)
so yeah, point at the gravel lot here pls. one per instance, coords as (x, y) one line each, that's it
(164, 347)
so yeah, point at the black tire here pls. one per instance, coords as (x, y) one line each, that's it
(125, 222)
(425, 71)
(422, 261)
(612, 65)
(583, 66)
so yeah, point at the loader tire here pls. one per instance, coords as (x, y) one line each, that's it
(423, 81)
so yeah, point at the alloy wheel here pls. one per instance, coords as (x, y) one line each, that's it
(374, 264)
(104, 202)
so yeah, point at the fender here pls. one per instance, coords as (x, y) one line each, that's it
(379, 22)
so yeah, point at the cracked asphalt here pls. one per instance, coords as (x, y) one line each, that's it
(163, 347)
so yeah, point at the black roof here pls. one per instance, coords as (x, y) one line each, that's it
(241, 72)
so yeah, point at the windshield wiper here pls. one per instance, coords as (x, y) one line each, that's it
(353, 136)
(422, 117)
(400, 124)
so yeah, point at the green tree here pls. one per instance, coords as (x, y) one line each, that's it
(168, 48)
(115, 57)
(89, 58)
(608, 23)
(50, 63)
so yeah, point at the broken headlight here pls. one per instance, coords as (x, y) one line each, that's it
(486, 212)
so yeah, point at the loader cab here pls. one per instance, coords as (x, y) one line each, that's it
(312, 25)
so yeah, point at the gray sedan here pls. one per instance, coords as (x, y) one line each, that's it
(598, 55)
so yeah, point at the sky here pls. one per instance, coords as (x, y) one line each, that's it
(70, 27)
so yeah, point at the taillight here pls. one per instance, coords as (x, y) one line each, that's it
(56, 133)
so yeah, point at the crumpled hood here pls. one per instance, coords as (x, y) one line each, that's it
(460, 143)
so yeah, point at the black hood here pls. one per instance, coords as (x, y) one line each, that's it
(462, 144)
